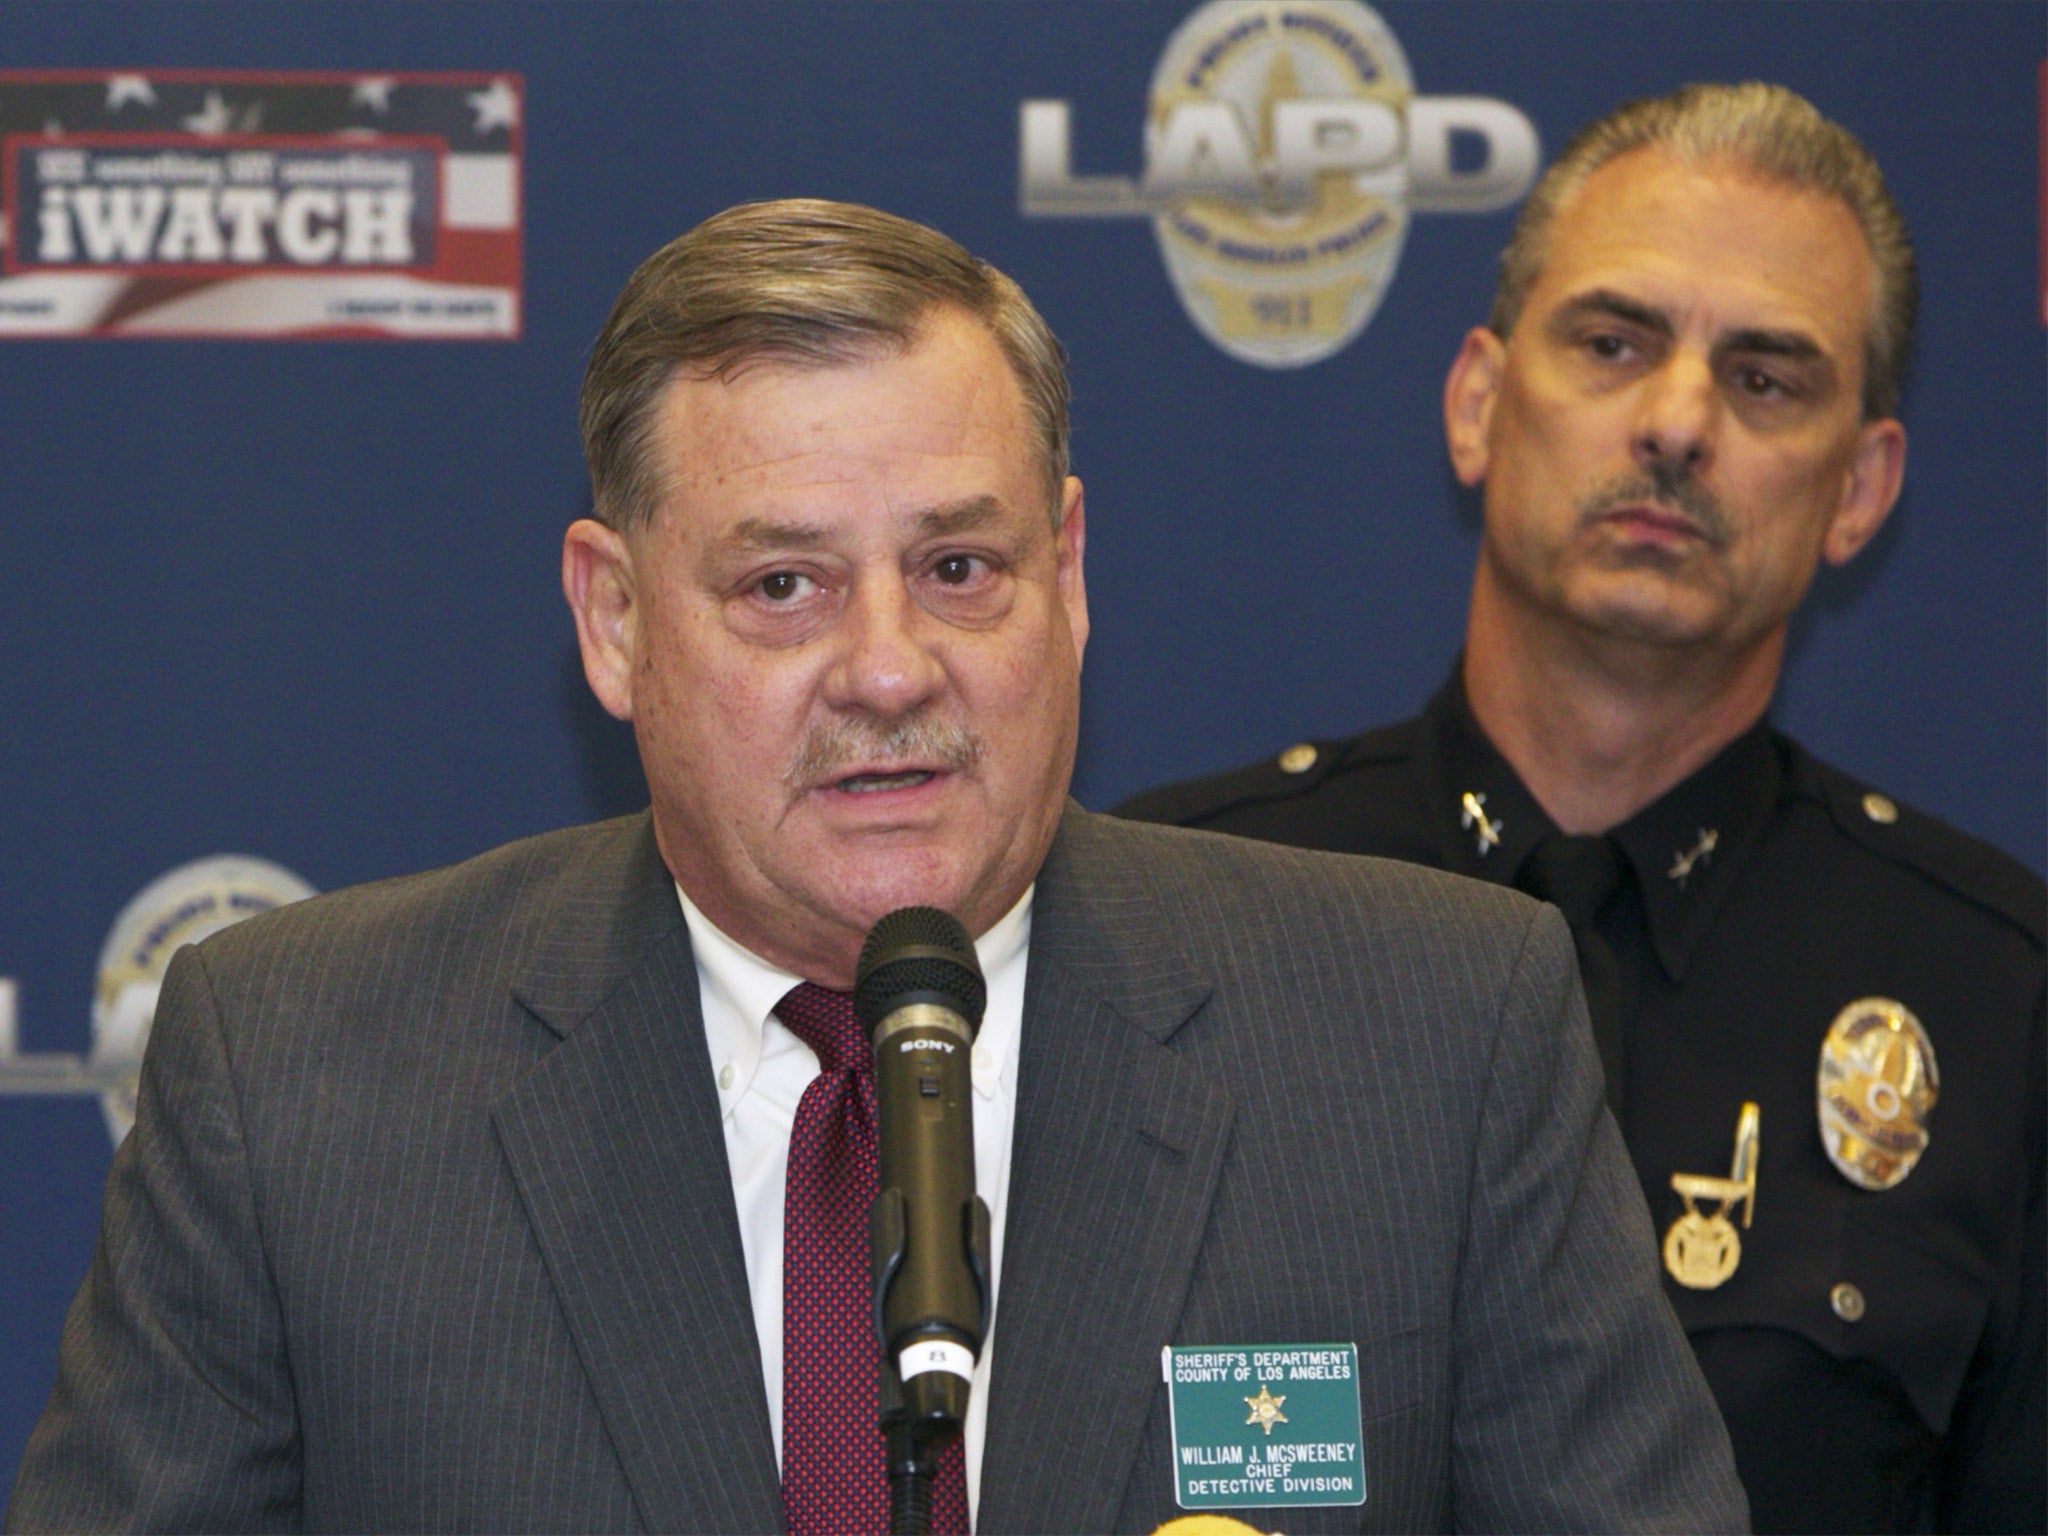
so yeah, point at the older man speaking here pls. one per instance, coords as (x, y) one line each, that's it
(532, 1193)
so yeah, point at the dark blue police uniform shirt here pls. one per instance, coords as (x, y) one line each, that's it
(1878, 1354)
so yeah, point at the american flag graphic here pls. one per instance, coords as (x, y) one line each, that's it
(247, 204)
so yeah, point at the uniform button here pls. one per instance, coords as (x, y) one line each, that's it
(1847, 1302)
(984, 1059)
(1880, 809)
(725, 1075)
(1298, 758)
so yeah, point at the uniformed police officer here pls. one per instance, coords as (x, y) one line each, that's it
(1820, 1012)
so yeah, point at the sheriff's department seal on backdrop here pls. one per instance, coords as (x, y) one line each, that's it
(1285, 148)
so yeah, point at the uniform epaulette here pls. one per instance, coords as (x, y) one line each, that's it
(1971, 868)
(1287, 775)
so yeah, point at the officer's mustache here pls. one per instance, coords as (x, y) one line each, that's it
(1666, 484)
(833, 748)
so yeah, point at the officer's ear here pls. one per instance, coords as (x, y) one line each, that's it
(1877, 467)
(1469, 393)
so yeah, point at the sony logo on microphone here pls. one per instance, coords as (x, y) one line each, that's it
(927, 1045)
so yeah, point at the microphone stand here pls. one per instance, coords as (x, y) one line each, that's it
(913, 1460)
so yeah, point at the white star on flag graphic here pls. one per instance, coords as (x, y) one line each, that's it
(122, 89)
(212, 119)
(497, 107)
(374, 92)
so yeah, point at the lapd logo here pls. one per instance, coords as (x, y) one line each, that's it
(1284, 151)
(190, 903)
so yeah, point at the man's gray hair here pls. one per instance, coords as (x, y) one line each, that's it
(796, 281)
(1774, 132)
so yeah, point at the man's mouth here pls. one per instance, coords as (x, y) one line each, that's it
(1656, 520)
(1660, 508)
(873, 783)
(859, 755)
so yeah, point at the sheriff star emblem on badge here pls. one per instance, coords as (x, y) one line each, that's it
(1266, 1410)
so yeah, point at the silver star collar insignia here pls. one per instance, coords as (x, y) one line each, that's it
(1701, 852)
(1474, 820)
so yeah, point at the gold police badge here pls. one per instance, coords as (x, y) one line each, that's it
(1876, 1086)
(1701, 1252)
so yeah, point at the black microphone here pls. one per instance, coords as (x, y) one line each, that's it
(919, 993)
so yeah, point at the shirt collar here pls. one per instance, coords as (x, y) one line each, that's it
(741, 991)
(744, 990)
(1689, 847)
(1686, 848)
(1003, 952)
(1484, 820)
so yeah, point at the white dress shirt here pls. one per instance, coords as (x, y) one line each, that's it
(762, 1069)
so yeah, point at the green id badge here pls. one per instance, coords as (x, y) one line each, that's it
(1257, 1425)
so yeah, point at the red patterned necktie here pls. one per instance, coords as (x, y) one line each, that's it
(833, 1477)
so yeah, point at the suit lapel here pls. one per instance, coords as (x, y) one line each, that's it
(616, 1145)
(1116, 1153)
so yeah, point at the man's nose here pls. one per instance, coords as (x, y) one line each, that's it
(885, 666)
(1678, 415)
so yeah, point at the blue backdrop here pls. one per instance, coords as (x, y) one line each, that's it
(299, 599)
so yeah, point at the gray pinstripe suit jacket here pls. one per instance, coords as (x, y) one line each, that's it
(426, 1225)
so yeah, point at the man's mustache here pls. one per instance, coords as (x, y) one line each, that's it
(1667, 485)
(833, 747)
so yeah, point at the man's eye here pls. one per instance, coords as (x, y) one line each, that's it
(956, 570)
(1606, 347)
(1755, 382)
(783, 586)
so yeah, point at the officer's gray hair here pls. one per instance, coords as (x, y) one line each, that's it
(796, 281)
(1778, 134)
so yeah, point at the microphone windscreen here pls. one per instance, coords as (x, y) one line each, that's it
(918, 954)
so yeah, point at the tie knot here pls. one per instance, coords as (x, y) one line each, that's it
(823, 1020)
(1578, 874)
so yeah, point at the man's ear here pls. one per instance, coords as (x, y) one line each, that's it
(598, 580)
(1876, 470)
(1469, 393)
(1071, 543)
